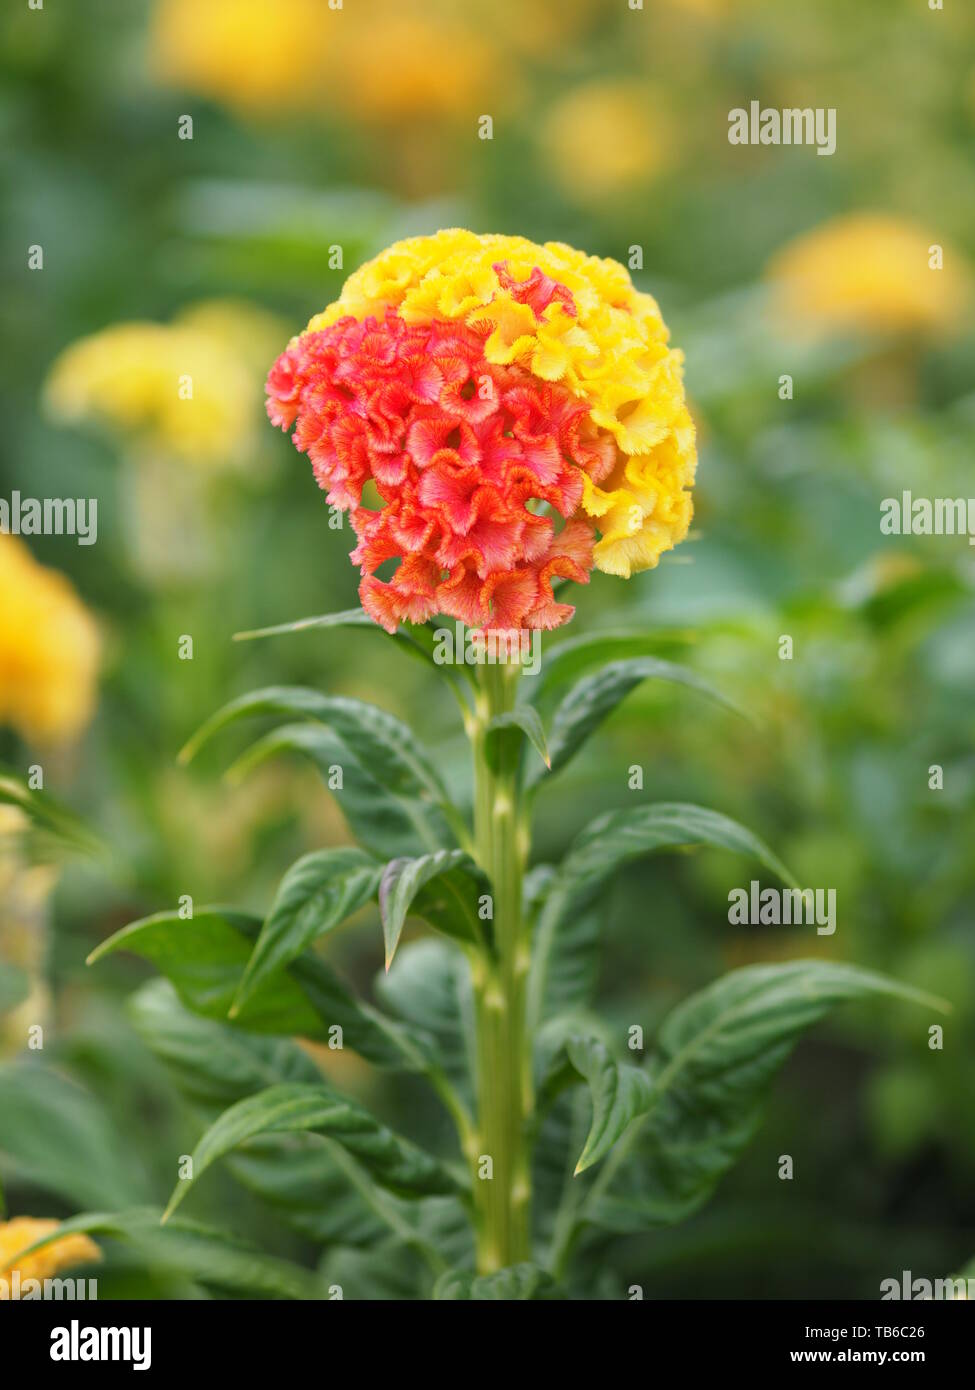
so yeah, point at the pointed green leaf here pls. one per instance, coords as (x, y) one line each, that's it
(60, 828)
(620, 1092)
(428, 986)
(391, 1270)
(553, 1070)
(348, 617)
(384, 821)
(383, 742)
(205, 958)
(316, 894)
(394, 1163)
(416, 640)
(570, 977)
(557, 1191)
(213, 1065)
(572, 657)
(614, 839)
(511, 728)
(443, 888)
(60, 1140)
(593, 698)
(715, 1058)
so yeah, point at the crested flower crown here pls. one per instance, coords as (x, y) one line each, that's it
(496, 416)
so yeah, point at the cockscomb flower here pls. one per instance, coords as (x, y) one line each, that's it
(495, 416)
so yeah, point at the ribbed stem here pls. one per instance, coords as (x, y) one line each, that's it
(502, 1200)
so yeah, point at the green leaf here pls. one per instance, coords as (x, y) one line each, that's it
(316, 894)
(620, 1092)
(311, 1188)
(391, 1269)
(442, 888)
(416, 640)
(189, 1250)
(535, 885)
(552, 1067)
(348, 617)
(429, 987)
(389, 1272)
(385, 822)
(59, 828)
(572, 965)
(59, 1139)
(716, 1056)
(383, 742)
(521, 1282)
(611, 840)
(213, 1065)
(205, 958)
(394, 1163)
(570, 658)
(593, 698)
(510, 729)
(557, 1191)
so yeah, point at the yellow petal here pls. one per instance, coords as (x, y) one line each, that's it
(51, 1259)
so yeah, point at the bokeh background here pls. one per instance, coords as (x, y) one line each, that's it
(315, 129)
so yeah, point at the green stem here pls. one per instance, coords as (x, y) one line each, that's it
(503, 1074)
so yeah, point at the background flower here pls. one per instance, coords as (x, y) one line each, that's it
(181, 400)
(420, 62)
(184, 389)
(607, 137)
(52, 1259)
(868, 272)
(49, 649)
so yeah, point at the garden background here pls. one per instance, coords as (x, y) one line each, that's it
(315, 128)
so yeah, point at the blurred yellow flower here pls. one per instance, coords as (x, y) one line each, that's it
(254, 55)
(52, 1259)
(402, 66)
(408, 61)
(867, 272)
(48, 649)
(189, 389)
(604, 137)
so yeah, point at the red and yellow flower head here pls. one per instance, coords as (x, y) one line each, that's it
(517, 412)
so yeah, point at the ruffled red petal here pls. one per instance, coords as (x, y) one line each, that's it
(457, 448)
